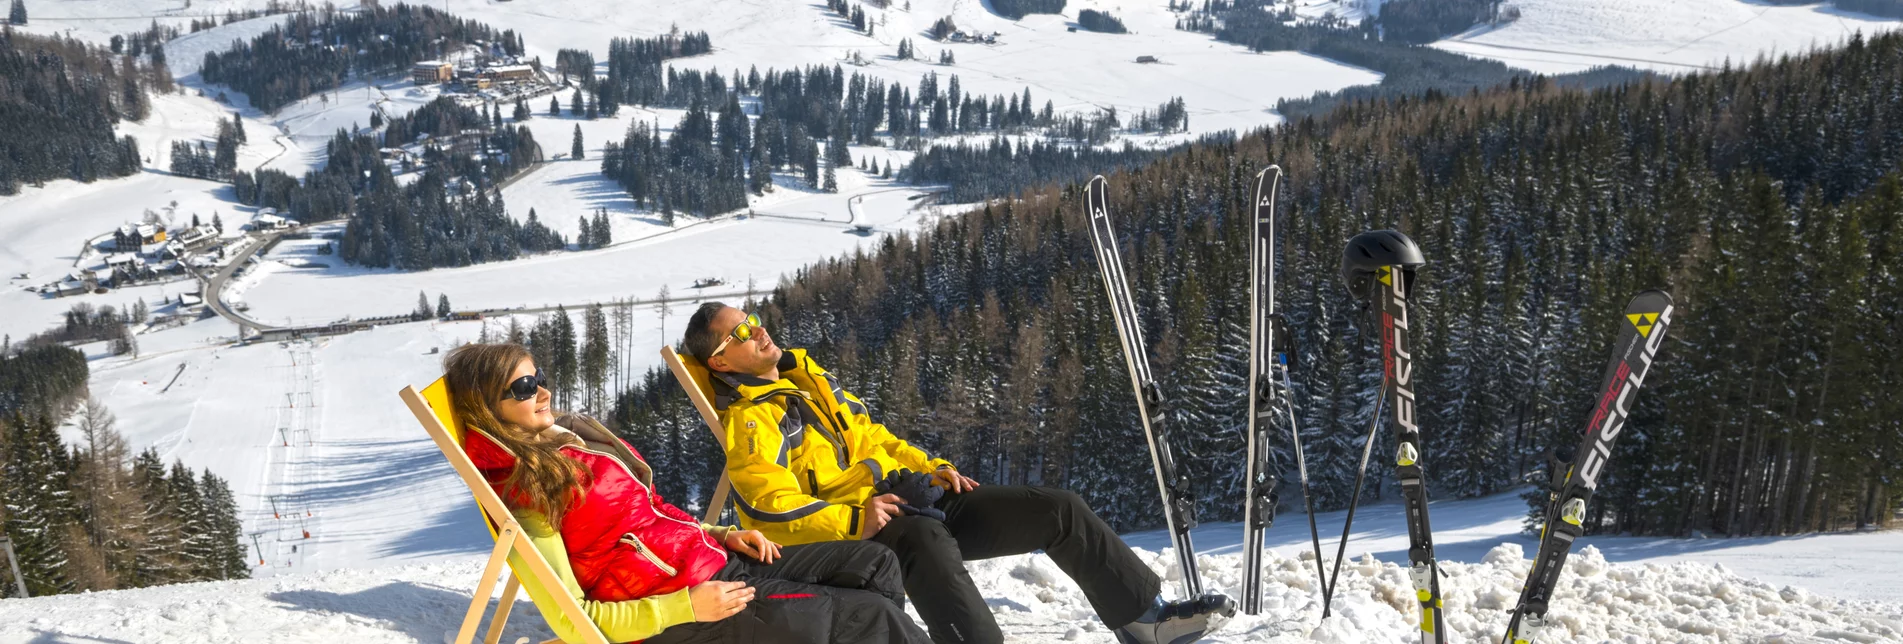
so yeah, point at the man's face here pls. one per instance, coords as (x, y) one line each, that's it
(756, 356)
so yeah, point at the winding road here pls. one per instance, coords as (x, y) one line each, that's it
(215, 285)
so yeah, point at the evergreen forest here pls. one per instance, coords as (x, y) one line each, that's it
(59, 101)
(91, 515)
(1767, 200)
(317, 51)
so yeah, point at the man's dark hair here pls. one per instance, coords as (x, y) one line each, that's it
(700, 338)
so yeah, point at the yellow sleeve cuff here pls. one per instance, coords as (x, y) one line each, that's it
(718, 532)
(675, 608)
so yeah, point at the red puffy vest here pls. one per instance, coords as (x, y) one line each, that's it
(624, 542)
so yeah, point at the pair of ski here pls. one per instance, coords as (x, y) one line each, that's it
(1269, 388)
(1381, 264)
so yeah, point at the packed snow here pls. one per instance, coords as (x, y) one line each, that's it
(1596, 601)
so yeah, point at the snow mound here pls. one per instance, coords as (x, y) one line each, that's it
(1506, 553)
(1033, 601)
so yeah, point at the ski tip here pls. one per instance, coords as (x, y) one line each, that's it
(1098, 180)
(1653, 292)
(1271, 168)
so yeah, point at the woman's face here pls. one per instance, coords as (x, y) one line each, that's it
(531, 414)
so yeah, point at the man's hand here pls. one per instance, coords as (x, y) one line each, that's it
(950, 479)
(753, 543)
(880, 510)
(717, 600)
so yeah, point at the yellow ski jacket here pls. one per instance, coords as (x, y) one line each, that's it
(802, 452)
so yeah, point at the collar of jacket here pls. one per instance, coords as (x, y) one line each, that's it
(730, 387)
(573, 430)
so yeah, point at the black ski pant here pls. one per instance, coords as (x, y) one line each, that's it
(999, 520)
(849, 592)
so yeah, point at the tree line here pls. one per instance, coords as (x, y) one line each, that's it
(92, 516)
(217, 161)
(1767, 200)
(1015, 9)
(1418, 22)
(635, 69)
(450, 216)
(319, 51)
(59, 101)
(1100, 22)
(809, 116)
(86, 323)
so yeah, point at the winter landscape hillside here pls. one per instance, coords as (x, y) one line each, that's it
(352, 524)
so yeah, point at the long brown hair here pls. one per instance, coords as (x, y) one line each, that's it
(543, 480)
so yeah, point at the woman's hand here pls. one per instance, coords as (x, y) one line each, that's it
(717, 600)
(951, 480)
(754, 544)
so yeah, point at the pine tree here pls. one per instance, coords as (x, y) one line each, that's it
(227, 550)
(595, 358)
(575, 148)
(156, 555)
(564, 367)
(554, 106)
(17, 13)
(442, 305)
(574, 104)
(604, 235)
(39, 505)
(422, 307)
(197, 546)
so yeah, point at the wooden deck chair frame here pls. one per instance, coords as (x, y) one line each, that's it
(694, 380)
(432, 409)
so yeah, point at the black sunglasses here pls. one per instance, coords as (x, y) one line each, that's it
(524, 387)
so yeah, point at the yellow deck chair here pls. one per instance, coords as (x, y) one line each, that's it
(432, 409)
(694, 380)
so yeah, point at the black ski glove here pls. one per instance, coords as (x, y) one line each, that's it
(915, 489)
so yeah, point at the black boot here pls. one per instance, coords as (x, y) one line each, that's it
(1178, 622)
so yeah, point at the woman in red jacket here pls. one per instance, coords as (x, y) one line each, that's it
(644, 569)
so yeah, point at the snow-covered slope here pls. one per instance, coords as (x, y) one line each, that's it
(1561, 36)
(1597, 601)
(1225, 86)
(373, 492)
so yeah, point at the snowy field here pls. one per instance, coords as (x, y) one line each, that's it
(791, 228)
(1563, 36)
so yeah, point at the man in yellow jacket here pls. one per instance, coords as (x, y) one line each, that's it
(804, 456)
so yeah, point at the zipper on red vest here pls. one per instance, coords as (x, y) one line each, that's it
(642, 548)
(704, 540)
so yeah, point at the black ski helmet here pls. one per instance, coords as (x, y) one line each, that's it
(1371, 250)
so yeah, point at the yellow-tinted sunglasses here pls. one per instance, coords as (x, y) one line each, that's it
(741, 333)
